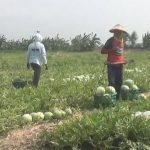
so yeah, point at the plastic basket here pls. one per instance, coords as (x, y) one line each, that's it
(124, 95)
(98, 100)
(113, 97)
(19, 83)
(104, 101)
(131, 95)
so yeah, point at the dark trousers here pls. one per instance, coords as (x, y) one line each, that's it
(36, 75)
(115, 77)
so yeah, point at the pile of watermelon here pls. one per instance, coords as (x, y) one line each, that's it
(130, 91)
(56, 113)
(104, 96)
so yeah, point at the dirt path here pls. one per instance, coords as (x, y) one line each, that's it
(24, 139)
(147, 93)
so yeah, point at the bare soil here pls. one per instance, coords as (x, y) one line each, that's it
(25, 138)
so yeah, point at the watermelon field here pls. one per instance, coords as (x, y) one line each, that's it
(68, 87)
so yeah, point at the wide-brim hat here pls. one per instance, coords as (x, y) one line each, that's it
(118, 27)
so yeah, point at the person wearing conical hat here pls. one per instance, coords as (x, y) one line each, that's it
(114, 48)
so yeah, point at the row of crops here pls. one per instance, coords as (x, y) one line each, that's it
(71, 82)
(113, 128)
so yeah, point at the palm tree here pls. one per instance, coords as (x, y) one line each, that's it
(95, 42)
(87, 42)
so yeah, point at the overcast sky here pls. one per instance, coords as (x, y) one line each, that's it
(21, 18)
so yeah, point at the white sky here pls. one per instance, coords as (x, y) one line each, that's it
(21, 18)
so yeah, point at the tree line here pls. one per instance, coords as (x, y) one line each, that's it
(80, 43)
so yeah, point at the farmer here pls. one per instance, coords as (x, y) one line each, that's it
(114, 48)
(36, 56)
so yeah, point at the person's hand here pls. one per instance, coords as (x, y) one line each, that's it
(46, 67)
(28, 65)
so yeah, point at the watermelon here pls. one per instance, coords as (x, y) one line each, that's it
(35, 116)
(63, 113)
(124, 92)
(27, 118)
(110, 90)
(40, 115)
(48, 115)
(100, 91)
(129, 82)
(124, 88)
(134, 87)
(142, 96)
(57, 113)
(68, 111)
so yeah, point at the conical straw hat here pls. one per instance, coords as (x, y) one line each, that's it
(118, 27)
